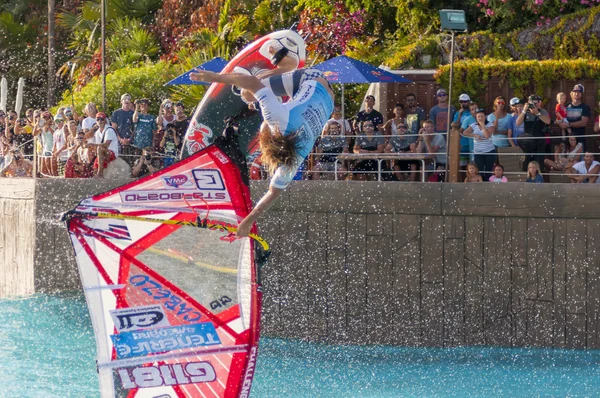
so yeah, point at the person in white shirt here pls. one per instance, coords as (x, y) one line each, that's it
(108, 144)
(91, 111)
(585, 171)
(59, 145)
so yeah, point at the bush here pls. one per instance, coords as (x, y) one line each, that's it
(523, 77)
(146, 81)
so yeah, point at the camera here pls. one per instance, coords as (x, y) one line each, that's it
(531, 104)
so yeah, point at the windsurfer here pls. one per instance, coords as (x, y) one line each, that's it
(289, 130)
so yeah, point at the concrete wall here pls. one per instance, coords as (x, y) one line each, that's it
(35, 251)
(435, 264)
(368, 263)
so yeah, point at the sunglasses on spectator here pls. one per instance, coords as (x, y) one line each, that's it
(178, 104)
(442, 95)
(400, 126)
(100, 119)
(501, 103)
(464, 102)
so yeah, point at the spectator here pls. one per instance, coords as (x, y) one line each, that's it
(498, 174)
(70, 114)
(585, 171)
(181, 123)
(369, 114)
(536, 121)
(122, 124)
(108, 146)
(393, 135)
(165, 114)
(6, 144)
(466, 143)
(502, 123)
(169, 145)
(398, 142)
(484, 149)
(345, 128)
(78, 165)
(23, 137)
(144, 124)
(44, 130)
(473, 173)
(331, 144)
(415, 115)
(466, 122)
(578, 114)
(146, 164)
(18, 166)
(533, 172)
(515, 131)
(565, 155)
(367, 142)
(439, 113)
(561, 114)
(90, 110)
(2, 121)
(431, 143)
(59, 145)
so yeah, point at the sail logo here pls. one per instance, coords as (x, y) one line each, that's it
(167, 375)
(144, 342)
(136, 318)
(245, 393)
(177, 181)
(208, 179)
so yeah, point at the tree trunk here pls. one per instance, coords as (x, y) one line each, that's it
(51, 53)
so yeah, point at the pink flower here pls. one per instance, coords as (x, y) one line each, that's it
(489, 11)
(539, 23)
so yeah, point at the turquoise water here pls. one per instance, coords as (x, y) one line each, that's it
(46, 344)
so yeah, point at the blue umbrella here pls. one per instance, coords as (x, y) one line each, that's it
(214, 65)
(343, 69)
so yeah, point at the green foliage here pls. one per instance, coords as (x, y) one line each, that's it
(130, 43)
(524, 77)
(144, 81)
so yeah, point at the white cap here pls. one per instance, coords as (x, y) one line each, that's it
(464, 97)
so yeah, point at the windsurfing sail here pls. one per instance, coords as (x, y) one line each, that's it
(172, 292)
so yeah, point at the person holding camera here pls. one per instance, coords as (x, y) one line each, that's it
(144, 125)
(169, 145)
(145, 164)
(17, 166)
(165, 114)
(536, 121)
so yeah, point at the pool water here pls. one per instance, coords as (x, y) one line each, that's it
(46, 344)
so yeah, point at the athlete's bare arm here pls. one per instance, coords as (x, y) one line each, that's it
(262, 206)
(240, 80)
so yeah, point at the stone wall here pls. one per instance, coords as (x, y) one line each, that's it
(434, 264)
(378, 263)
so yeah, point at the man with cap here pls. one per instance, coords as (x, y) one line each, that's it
(516, 105)
(439, 113)
(107, 144)
(578, 114)
(465, 142)
(369, 113)
(122, 123)
(536, 121)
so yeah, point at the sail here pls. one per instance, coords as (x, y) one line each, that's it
(172, 292)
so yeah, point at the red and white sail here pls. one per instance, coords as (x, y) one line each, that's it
(175, 308)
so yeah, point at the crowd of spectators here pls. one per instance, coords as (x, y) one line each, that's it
(71, 145)
(516, 123)
(130, 143)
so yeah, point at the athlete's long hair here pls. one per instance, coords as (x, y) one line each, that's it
(277, 149)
